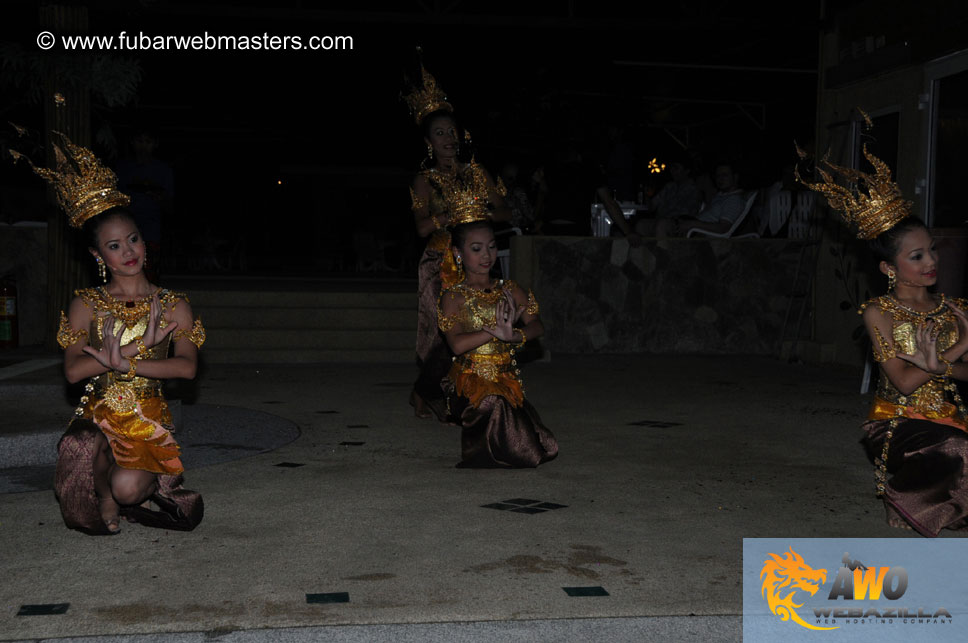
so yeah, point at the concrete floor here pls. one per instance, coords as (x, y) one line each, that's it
(666, 464)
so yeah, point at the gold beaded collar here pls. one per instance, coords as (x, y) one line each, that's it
(129, 312)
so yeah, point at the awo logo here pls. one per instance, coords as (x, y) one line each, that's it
(784, 576)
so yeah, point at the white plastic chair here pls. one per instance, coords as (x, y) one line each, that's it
(736, 224)
(763, 221)
(779, 207)
(601, 221)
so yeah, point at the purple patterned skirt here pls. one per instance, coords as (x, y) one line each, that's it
(179, 509)
(927, 474)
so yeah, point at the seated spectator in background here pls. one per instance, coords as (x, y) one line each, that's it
(701, 175)
(680, 197)
(719, 214)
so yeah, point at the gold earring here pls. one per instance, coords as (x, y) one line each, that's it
(102, 269)
(430, 151)
(891, 279)
(460, 269)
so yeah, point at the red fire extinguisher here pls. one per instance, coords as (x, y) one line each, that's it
(8, 312)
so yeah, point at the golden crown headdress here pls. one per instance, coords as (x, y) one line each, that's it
(82, 185)
(427, 98)
(466, 196)
(871, 213)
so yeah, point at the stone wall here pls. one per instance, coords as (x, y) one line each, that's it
(668, 296)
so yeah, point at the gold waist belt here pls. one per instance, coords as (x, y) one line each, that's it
(145, 386)
(488, 366)
(123, 397)
(881, 409)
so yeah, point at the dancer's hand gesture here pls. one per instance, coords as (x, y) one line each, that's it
(512, 306)
(962, 320)
(109, 355)
(154, 333)
(925, 356)
(503, 327)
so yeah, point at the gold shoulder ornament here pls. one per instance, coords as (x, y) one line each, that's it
(882, 349)
(196, 335)
(445, 322)
(533, 307)
(416, 203)
(65, 335)
(960, 303)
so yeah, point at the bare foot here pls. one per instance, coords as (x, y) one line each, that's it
(110, 514)
(420, 408)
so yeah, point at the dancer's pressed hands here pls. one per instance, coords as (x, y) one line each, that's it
(503, 327)
(109, 354)
(513, 306)
(962, 320)
(925, 355)
(154, 333)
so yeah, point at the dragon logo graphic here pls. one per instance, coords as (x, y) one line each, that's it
(790, 573)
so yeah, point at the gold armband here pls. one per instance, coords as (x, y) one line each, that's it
(196, 335)
(882, 350)
(65, 336)
(415, 201)
(532, 306)
(445, 322)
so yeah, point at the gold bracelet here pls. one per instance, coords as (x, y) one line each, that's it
(142, 349)
(947, 370)
(524, 337)
(132, 370)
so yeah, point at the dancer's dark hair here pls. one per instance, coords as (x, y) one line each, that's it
(459, 233)
(425, 124)
(92, 226)
(886, 245)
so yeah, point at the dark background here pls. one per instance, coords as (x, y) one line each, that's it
(527, 79)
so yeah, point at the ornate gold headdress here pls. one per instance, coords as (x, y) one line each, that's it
(426, 99)
(872, 213)
(466, 196)
(83, 186)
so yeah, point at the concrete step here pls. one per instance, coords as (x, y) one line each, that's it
(308, 317)
(308, 356)
(303, 338)
(304, 299)
(305, 320)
